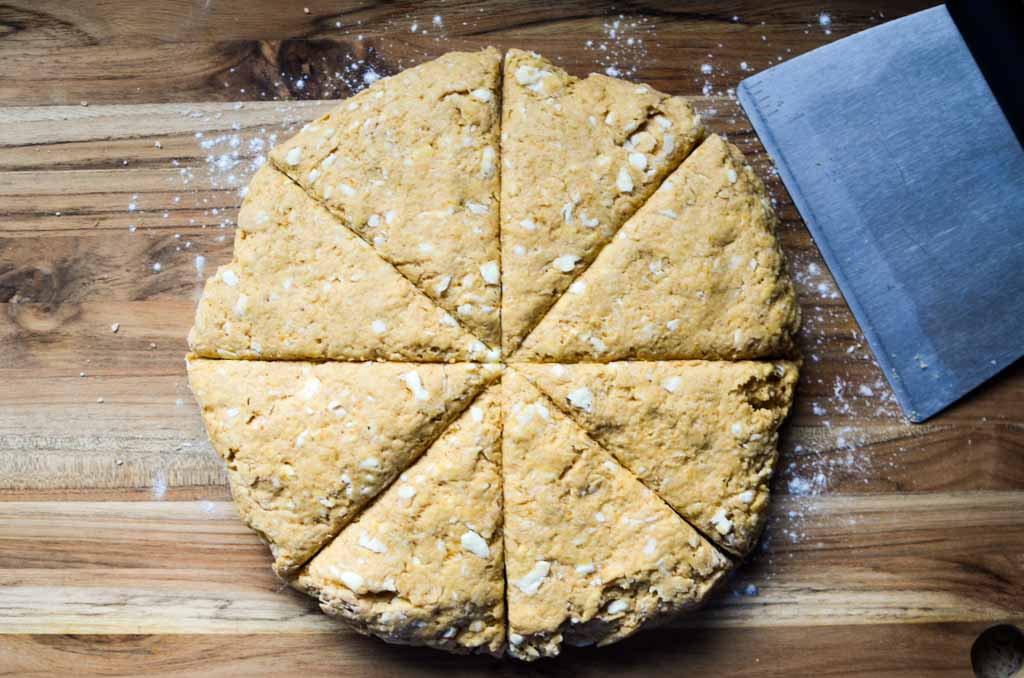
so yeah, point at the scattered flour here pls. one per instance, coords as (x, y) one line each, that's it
(159, 484)
(208, 183)
(621, 49)
(825, 21)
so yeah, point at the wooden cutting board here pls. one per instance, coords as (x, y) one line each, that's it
(891, 548)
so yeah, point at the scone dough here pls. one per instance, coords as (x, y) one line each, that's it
(303, 286)
(411, 165)
(696, 273)
(591, 554)
(702, 435)
(486, 439)
(424, 564)
(578, 158)
(308, 445)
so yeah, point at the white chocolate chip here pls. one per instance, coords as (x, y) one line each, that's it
(482, 94)
(352, 581)
(596, 342)
(413, 383)
(624, 182)
(475, 544)
(310, 388)
(527, 75)
(229, 277)
(531, 581)
(490, 272)
(294, 156)
(643, 142)
(372, 543)
(721, 522)
(582, 398)
(487, 157)
(565, 263)
(672, 384)
(668, 144)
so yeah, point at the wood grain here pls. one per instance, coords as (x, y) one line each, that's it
(66, 278)
(890, 548)
(881, 651)
(178, 50)
(192, 567)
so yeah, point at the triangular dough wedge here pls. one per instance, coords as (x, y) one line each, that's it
(302, 286)
(424, 564)
(591, 554)
(411, 165)
(578, 158)
(696, 273)
(702, 435)
(308, 445)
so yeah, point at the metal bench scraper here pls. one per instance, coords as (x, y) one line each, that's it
(898, 147)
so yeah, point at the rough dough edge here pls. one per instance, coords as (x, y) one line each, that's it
(364, 627)
(717, 581)
(506, 360)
